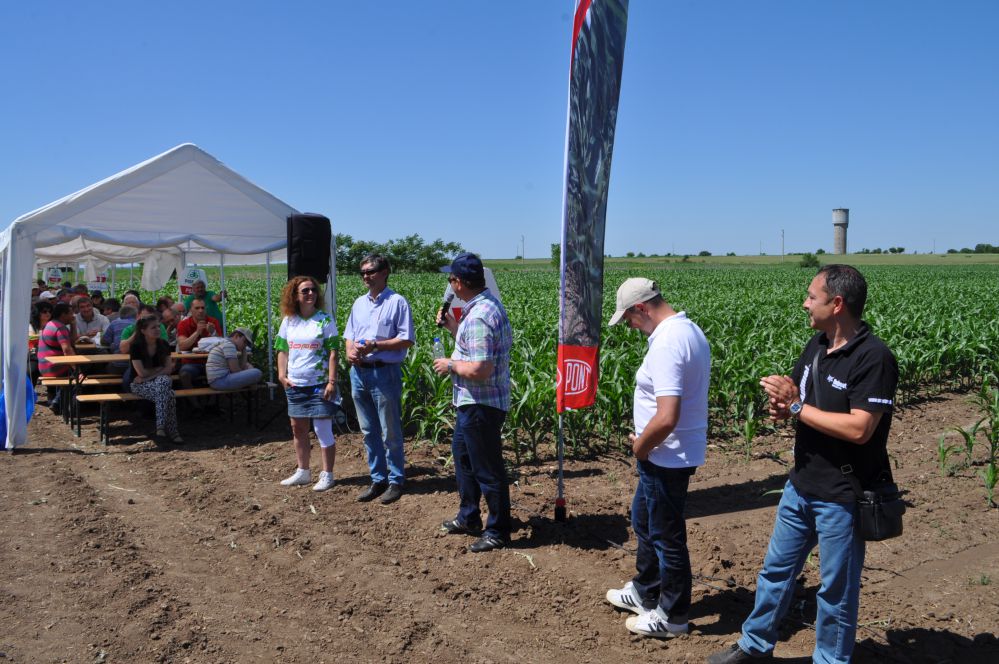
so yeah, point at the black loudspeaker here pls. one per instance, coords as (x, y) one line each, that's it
(309, 238)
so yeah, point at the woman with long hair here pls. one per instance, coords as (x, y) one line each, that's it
(306, 347)
(41, 314)
(153, 365)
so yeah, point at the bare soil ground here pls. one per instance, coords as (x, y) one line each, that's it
(132, 553)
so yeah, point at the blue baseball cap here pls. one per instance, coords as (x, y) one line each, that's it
(466, 266)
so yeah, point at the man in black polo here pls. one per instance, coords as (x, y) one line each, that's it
(841, 394)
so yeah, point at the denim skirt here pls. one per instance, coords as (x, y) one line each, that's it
(307, 401)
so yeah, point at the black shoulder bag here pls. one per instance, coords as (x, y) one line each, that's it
(880, 507)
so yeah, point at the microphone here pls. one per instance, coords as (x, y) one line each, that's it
(445, 307)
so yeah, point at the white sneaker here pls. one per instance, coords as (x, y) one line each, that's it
(654, 623)
(325, 482)
(626, 598)
(299, 477)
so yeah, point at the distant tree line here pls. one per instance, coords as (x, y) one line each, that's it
(979, 249)
(889, 250)
(408, 254)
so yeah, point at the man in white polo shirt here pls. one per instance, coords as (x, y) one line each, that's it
(671, 423)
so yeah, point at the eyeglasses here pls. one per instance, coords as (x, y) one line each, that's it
(306, 291)
(368, 273)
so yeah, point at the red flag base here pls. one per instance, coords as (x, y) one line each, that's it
(560, 510)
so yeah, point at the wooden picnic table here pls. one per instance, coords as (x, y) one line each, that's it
(82, 360)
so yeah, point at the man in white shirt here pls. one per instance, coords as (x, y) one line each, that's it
(90, 323)
(671, 422)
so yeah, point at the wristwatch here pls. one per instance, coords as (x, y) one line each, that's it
(450, 366)
(795, 408)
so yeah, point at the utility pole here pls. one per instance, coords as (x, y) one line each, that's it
(782, 245)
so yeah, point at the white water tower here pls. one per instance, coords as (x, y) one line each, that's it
(841, 219)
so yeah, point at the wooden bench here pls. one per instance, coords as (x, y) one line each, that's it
(106, 400)
(64, 382)
(70, 388)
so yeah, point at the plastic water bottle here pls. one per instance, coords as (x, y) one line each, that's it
(438, 348)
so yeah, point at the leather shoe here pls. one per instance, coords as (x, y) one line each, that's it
(372, 492)
(393, 494)
(455, 527)
(736, 655)
(486, 543)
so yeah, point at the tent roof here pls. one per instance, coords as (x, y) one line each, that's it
(183, 200)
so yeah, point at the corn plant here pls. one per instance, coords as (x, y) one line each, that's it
(750, 427)
(943, 454)
(968, 435)
(990, 475)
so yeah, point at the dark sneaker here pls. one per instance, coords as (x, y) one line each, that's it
(393, 494)
(736, 655)
(487, 543)
(372, 492)
(455, 527)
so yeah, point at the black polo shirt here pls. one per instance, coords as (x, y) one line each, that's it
(863, 374)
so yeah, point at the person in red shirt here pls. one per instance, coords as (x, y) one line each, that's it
(56, 340)
(199, 325)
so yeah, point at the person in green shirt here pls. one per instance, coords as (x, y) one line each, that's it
(128, 335)
(211, 298)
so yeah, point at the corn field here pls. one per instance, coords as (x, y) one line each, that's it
(941, 322)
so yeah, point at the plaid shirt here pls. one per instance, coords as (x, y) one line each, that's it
(484, 335)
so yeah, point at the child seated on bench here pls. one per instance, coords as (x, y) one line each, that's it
(228, 365)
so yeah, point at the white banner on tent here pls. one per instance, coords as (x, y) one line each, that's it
(53, 276)
(100, 282)
(191, 275)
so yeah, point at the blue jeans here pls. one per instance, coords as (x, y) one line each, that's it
(803, 521)
(377, 394)
(236, 380)
(663, 561)
(479, 470)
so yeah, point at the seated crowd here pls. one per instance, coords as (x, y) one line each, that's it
(68, 320)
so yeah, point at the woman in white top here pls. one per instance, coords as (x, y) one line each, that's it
(306, 347)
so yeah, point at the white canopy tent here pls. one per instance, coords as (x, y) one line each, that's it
(178, 208)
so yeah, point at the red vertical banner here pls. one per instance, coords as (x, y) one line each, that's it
(596, 62)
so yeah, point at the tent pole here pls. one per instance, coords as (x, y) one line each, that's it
(3, 296)
(113, 266)
(130, 266)
(270, 322)
(222, 288)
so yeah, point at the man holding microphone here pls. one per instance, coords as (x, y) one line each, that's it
(480, 374)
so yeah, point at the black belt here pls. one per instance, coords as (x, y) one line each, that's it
(377, 364)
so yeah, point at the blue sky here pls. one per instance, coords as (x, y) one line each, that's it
(446, 118)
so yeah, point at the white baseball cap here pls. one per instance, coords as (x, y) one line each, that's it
(630, 293)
